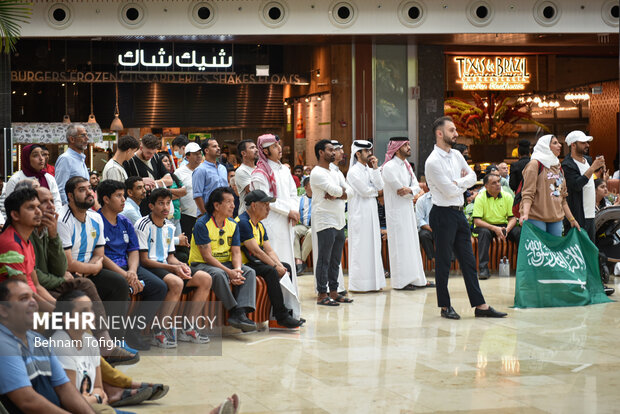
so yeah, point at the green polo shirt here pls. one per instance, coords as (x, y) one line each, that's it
(493, 210)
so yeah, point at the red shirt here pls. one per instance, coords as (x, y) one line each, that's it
(50, 169)
(10, 240)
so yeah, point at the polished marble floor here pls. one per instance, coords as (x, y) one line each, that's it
(390, 352)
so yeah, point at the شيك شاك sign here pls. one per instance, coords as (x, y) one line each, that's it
(496, 73)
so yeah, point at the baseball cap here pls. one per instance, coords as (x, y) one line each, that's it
(192, 147)
(258, 195)
(577, 136)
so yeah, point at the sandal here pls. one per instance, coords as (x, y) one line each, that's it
(159, 390)
(127, 398)
(410, 286)
(342, 299)
(327, 301)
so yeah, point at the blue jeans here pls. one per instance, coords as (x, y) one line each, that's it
(551, 228)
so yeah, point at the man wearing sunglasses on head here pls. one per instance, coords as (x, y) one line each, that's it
(216, 249)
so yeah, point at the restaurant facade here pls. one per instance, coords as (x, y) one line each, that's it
(315, 72)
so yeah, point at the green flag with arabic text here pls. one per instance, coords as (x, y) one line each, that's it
(557, 271)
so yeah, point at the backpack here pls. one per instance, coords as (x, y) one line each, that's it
(517, 200)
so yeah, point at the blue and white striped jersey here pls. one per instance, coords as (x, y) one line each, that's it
(158, 241)
(81, 238)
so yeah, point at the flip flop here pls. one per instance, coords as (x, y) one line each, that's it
(410, 287)
(159, 390)
(327, 301)
(342, 299)
(127, 398)
(230, 406)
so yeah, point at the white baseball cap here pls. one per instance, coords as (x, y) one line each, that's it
(192, 147)
(577, 136)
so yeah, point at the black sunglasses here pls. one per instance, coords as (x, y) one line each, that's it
(221, 234)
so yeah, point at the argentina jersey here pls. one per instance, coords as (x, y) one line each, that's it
(157, 241)
(81, 238)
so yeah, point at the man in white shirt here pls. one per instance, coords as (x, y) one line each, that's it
(335, 166)
(328, 219)
(276, 181)
(248, 153)
(189, 210)
(114, 170)
(448, 176)
(365, 262)
(400, 188)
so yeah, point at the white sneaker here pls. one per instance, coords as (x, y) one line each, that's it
(161, 340)
(192, 335)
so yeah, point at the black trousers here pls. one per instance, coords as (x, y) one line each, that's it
(274, 291)
(452, 234)
(114, 293)
(427, 242)
(484, 242)
(187, 227)
(330, 242)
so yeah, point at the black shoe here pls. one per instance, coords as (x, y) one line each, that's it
(609, 290)
(484, 273)
(290, 322)
(489, 313)
(449, 313)
(300, 268)
(240, 321)
(136, 341)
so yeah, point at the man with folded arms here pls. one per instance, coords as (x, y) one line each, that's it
(257, 253)
(448, 176)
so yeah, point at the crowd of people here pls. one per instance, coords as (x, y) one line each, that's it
(164, 226)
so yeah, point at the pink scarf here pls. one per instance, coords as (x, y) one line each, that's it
(262, 166)
(393, 147)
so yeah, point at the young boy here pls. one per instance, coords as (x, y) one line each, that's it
(156, 239)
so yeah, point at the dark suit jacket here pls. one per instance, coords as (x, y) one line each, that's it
(575, 182)
(516, 172)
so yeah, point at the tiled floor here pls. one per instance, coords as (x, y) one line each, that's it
(390, 352)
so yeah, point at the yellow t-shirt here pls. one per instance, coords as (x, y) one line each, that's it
(220, 239)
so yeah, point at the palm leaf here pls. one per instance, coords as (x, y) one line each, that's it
(12, 13)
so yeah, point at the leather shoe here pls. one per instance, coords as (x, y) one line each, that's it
(449, 313)
(609, 290)
(136, 341)
(484, 273)
(290, 322)
(240, 321)
(300, 268)
(489, 313)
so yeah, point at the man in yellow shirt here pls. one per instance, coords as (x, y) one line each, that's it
(216, 249)
(493, 218)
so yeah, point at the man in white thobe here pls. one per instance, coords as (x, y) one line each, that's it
(365, 262)
(276, 181)
(400, 188)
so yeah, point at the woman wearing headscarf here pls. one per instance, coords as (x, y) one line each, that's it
(33, 166)
(544, 192)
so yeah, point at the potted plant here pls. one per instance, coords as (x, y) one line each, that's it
(489, 122)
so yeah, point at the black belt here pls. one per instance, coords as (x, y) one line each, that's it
(457, 208)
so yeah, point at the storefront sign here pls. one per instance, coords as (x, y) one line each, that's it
(185, 60)
(492, 73)
(158, 77)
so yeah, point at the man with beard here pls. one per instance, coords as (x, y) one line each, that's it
(209, 175)
(248, 153)
(276, 180)
(364, 178)
(329, 220)
(71, 162)
(82, 233)
(401, 187)
(448, 176)
(335, 166)
(578, 169)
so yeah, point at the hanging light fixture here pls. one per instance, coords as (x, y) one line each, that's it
(66, 119)
(91, 117)
(116, 124)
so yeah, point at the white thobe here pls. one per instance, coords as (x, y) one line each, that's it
(279, 230)
(403, 244)
(365, 263)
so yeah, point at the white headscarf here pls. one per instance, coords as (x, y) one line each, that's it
(358, 145)
(542, 152)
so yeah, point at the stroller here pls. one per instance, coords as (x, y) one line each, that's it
(607, 232)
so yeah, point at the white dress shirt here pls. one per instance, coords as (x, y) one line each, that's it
(443, 176)
(188, 205)
(243, 176)
(326, 213)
